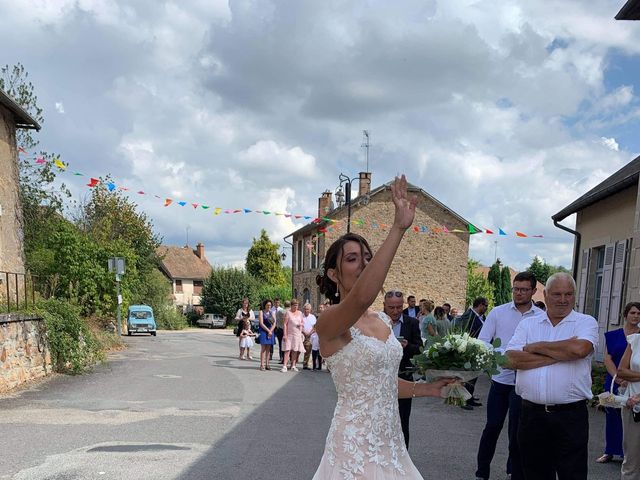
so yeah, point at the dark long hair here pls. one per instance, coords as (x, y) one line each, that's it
(328, 287)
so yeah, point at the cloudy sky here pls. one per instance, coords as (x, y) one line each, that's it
(505, 111)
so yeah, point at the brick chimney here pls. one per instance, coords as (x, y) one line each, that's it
(364, 183)
(325, 204)
(200, 250)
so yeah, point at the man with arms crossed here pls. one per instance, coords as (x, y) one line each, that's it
(501, 323)
(551, 354)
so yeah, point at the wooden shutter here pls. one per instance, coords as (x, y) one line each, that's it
(584, 271)
(619, 263)
(605, 297)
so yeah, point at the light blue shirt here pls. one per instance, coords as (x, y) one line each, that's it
(396, 327)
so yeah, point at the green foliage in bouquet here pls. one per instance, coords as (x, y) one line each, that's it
(460, 352)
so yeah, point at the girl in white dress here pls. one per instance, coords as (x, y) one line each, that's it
(246, 340)
(365, 440)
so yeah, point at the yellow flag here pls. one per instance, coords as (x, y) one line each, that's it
(217, 211)
(59, 164)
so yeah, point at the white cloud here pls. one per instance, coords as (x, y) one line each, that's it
(498, 109)
(610, 143)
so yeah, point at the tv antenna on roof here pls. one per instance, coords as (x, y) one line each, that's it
(365, 145)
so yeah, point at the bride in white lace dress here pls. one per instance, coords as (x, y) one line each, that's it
(365, 440)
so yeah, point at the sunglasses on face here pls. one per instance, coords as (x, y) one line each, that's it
(393, 293)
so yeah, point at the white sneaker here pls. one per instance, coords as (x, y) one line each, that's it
(284, 369)
(295, 369)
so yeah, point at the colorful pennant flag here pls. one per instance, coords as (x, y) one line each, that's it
(520, 234)
(167, 202)
(59, 164)
(487, 231)
(93, 182)
(111, 186)
(501, 232)
(217, 211)
(473, 229)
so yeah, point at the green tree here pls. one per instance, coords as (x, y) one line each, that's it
(494, 277)
(542, 270)
(109, 216)
(505, 285)
(224, 290)
(477, 285)
(263, 260)
(42, 205)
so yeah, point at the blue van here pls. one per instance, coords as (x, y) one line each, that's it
(140, 320)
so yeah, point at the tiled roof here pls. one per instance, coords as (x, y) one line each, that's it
(21, 116)
(183, 262)
(363, 199)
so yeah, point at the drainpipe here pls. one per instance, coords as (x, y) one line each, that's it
(290, 243)
(576, 251)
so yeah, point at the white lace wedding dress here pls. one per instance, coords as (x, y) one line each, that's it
(365, 440)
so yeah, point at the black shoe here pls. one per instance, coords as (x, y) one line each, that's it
(306, 368)
(466, 407)
(474, 403)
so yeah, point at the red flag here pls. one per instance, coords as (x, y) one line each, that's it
(416, 229)
(21, 150)
(298, 216)
(167, 202)
(93, 182)
(323, 229)
(195, 205)
(40, 160)
(520, 234)
(488, 231)
(141, 192)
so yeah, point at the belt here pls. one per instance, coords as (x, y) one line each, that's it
(551, 408)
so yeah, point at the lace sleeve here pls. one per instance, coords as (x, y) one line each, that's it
(385, 318)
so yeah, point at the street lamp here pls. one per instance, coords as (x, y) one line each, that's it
(283, 256)
(346, 196)
(116, 265)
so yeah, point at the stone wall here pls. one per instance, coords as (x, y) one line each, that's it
(24, 354)
(431, 266)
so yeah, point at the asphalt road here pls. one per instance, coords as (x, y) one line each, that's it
(182, 406)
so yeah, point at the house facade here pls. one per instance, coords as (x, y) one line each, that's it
(12, 117)
(430, 264)
(606, 262)
(187, 269)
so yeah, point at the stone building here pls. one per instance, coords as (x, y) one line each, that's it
(12, 117)
(187, 269)
(23, 351)
(430, 262)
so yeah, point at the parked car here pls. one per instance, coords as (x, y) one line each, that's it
(140, 319)
(211, 320)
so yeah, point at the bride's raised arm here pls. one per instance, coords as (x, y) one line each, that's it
(356, 298)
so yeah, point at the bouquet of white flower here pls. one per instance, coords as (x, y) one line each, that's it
(459, 356)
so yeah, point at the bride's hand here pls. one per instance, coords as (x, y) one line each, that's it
(439, 384)
(405, 206)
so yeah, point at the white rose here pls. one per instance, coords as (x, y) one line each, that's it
(462, 347)
(448, 345)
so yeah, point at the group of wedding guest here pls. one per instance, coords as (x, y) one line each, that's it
(292, 328)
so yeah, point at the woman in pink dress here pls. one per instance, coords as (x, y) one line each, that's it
(292, 337)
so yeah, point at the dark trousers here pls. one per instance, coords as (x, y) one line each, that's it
(404, 405)
(471, 387)
(317, 359)
(502, 399)
(554, 442)
(279, 334)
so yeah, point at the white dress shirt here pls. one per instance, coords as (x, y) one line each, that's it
(562, 382)
(501, 323)
(309, 323)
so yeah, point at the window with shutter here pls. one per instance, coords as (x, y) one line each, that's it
(582, 289)
(619, 273)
